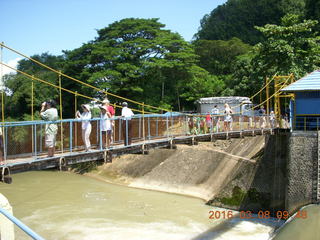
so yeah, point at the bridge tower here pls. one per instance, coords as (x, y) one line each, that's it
(279, 83)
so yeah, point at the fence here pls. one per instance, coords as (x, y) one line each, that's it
(27, 139)
(307, 123)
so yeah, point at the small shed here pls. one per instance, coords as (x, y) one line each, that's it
(306, 104)
(239, 105)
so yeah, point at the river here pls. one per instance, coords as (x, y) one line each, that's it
(67, 206)
(305, 225)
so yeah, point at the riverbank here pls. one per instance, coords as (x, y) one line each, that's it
(209, 171)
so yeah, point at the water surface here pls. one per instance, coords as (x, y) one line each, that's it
(63, 206)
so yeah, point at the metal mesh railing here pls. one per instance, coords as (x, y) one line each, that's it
(27, 139)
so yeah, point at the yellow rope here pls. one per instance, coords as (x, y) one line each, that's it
(64, 89)
(83, 83)
(251, 98)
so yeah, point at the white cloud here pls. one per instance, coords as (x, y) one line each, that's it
(12, 63)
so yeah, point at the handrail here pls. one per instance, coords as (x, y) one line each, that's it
(21, 225)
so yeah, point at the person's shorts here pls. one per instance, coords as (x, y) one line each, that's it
(228, 118)
(50, 141)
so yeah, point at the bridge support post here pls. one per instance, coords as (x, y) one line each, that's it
(5, 175)
(144, 149)
(62, 164)
(107, 156)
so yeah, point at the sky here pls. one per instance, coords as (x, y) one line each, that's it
(39, 26)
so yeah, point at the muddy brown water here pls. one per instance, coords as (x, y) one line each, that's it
(64, 205)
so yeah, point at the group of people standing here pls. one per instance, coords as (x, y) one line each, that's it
(213, 118)
(49, 112)
(211, 122)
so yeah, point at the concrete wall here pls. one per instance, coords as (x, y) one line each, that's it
(302, 170)
(263, 187)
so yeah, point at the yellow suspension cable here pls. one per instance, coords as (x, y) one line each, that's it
(251, 98)
(64, 89)
(81, 82)
(61, 124)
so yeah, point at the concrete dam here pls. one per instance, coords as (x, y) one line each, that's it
(274, 172)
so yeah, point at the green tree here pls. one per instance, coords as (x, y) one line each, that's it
(138, 59)
(218, 56)
(292, 47)
(237, 18)
(18, 102)
(313, 11)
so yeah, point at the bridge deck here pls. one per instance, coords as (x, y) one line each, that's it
(68, 158)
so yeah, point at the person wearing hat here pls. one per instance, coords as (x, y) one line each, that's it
(85, 117)
(127, 114)
(105, 126)
(49, 112)
(110, 109)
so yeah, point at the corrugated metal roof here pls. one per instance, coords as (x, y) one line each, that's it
(217, 100)
(310, 82)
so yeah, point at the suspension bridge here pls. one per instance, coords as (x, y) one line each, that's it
(23, 142)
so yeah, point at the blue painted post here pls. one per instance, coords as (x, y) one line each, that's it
(120, 126)
(127, 136)
(187, 125)
(139, 127)
(70, 138)
(41, 127)
(5, 143)
(157, 123)
(35, 140)
(97, 131)
(100, 132)
(149, 128)
(172, 123)
(167, 125)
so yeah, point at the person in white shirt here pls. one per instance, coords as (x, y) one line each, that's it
(216, 119)
(85, 116)
(105, 126)
(227, 117)
(127, 114)
(49, 113)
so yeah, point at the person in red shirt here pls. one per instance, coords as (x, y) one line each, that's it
(208, 122)
(110, 109)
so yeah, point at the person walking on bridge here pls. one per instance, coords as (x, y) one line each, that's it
(227, 117)
(111, 110)
(49, 112)
(215, 118)
(105, 126)
(85, 116)
(262, 116)
(127, 114)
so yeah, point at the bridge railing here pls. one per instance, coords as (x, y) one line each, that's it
(19, 224)
(307, 123)
(27, 138)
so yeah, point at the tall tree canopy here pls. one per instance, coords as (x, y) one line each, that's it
(138, 59)
(292, 47)
(218, 56)
(237, 18)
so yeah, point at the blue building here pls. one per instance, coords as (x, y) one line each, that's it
(305, 107)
